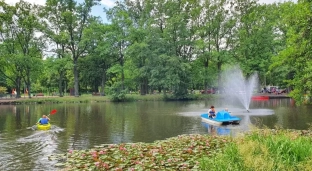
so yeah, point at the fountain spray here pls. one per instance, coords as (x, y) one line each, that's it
(237, 87)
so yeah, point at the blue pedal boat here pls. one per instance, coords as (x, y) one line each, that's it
(222, 118)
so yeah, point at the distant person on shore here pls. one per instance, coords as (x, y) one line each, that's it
(212, 112)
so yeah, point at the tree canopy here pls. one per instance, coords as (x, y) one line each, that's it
(152, 46)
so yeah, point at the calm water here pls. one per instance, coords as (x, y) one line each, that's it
(82, 126)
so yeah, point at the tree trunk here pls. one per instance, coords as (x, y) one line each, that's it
(76, 77)
(122, 66)
(27, 82)
(122, 72)
(206, 74)
(144, 86)
(18, 87)
(103, 83)
(28, 86)
(61, 83)
(142, 89)
(219, 75)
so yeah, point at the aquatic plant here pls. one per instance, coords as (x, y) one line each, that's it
(178, 153)
(260, 149)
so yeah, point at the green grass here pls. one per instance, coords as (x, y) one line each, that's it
(89, 98)
(265, 150)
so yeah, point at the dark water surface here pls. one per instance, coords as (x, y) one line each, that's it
(82, 126)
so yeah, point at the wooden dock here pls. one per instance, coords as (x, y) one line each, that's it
(270, 96)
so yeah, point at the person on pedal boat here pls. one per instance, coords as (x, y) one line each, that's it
(43, 120)
(212, 112)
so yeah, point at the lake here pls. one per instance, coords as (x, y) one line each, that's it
(84, 125)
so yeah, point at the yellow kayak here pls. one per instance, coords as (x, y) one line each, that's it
(44, 127)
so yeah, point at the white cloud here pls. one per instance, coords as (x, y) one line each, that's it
(12, 2)
(108, 3)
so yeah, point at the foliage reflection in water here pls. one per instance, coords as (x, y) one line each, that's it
(83, 126)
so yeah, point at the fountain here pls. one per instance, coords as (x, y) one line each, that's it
(237, 91)
(237, 87)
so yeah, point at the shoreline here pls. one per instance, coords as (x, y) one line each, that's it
(198, 152)
(129, 97)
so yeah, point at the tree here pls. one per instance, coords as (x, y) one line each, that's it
(297, 54)
(172, 41)
(277, 74)
(30, 46)
(21, 49)
(54, 30)
(73, 21)
(213, 23)
(100, 58)
(139, 48)
(119, 17)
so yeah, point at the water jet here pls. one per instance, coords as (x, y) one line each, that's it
(240, 88)
(237, 87)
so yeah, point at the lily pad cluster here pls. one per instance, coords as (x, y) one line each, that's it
(183, 152)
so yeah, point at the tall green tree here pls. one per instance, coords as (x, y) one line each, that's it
(30, 45)
(54, 29)
(100, 58)
(170, 25)
(120, 22)
(11, 63)
(214, 24)
(139, 50)
(255, 37)
(74, 18)
(22, 48)
(280, 15)
(297, 55)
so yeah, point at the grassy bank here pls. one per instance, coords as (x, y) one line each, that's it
(89, 98)
(265, 150)
(257, 150)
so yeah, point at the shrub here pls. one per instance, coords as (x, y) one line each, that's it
(116, 93)
(3, 90)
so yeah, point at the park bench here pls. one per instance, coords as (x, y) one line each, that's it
(39, 94)
(97, 94)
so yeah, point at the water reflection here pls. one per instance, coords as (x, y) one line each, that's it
(216, 130)
(273, 103)
(82, 126)
(28, 150)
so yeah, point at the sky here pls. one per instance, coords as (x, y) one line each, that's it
(98, 10)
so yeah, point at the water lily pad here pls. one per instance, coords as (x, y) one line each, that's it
(176, 153)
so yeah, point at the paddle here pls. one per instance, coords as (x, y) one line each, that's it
(52, 112)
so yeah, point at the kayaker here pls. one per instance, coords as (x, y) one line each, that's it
(43, 120)
(212, 112)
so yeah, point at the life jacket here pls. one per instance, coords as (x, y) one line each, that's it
(44, 121)
(212, 111)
